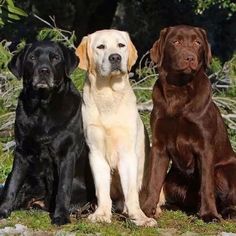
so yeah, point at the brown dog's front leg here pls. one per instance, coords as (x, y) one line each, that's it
(158, 170)
(208, 211)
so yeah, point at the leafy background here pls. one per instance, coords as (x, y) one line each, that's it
(222, 74)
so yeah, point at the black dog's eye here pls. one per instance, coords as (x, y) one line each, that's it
(32, 57)
(101, 46)
(121, 45)
(56, 57)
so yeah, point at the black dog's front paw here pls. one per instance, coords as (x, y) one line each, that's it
(4, 213)
(229, 213)
(61, 220)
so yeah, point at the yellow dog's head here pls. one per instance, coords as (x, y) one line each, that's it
(107, 53)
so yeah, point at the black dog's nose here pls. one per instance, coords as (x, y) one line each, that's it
(114, 58)
(44, 71)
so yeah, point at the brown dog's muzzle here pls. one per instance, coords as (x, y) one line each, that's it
(186, 61)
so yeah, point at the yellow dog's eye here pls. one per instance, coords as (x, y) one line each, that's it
(121, 45)
(101, 46)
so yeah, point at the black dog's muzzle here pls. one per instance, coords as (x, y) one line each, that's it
(43, 77)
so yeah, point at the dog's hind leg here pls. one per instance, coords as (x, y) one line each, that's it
(13, 183)
(225, 181)
(181, 192)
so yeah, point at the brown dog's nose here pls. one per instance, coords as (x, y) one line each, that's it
(44, 71)
(114, 58)
(189, 58)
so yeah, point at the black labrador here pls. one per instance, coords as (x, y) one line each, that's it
(51, 168)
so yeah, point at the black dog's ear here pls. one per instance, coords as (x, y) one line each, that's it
(71, 60)
(17, 62)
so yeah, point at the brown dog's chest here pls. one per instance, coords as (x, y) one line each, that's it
(181, 139)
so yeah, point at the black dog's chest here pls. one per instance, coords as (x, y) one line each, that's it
(37, 131)
(181, 138)
(42, 127)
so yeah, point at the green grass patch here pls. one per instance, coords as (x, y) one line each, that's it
(170, 221)
(6, 159)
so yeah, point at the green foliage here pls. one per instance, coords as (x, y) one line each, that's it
(203, 5)
(5, 54)
(5, 164)
(57, 35)
(78, 78)
(215, 65)
(232, 69)
(9, 12)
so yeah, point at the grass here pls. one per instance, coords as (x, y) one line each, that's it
(170, 221)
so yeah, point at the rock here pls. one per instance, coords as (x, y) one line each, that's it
(227, 234)
(167, 232)
(188, 233)
(18, 229)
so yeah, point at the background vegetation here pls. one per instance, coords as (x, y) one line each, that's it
(143, 19)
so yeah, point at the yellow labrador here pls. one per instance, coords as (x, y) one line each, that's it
(113, 128)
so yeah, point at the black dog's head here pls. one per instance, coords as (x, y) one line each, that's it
(43, 64)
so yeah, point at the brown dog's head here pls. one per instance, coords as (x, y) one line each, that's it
(181, 49)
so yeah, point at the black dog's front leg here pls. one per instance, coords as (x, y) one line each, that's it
(66, 174)
(13, 183)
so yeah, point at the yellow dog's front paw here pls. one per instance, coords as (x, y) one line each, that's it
(99, 216)
(144, 221)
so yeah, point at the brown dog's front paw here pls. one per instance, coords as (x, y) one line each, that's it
(210, 217)
(149, 208)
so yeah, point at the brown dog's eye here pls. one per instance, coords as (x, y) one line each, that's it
(121, 45)
(102, 46)
(176, 42)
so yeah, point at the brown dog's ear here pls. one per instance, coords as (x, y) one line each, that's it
(82, 53)
(133, 55)
(157, 50)
(207, 48)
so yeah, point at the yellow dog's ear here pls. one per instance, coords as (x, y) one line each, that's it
(133, 55)
(82, 53)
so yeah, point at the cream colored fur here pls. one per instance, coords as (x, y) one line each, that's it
(113, 128)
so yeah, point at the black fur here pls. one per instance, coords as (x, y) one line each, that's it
(51, 157)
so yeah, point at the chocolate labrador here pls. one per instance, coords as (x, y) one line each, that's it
(51, 168)
(188, 130)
